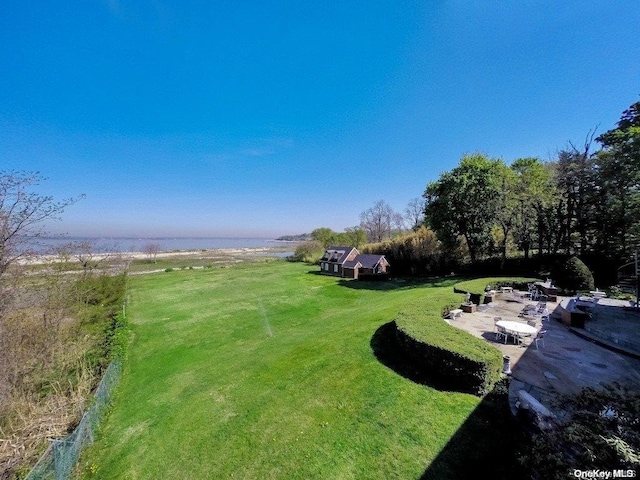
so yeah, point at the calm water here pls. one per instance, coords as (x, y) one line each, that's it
(166, 244)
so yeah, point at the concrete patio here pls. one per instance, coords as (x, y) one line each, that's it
(606, 350)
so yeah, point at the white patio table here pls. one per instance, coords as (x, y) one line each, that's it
(516, 329)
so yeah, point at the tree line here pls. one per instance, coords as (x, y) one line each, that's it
(584, 202)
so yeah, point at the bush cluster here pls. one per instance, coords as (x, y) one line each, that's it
(573, 276)
(601, 432)
(100, 301)
(309, 252)
(416, 253)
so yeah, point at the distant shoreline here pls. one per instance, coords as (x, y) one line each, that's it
(39, 259)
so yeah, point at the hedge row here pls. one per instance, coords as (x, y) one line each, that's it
(477, 287)
(452, 358)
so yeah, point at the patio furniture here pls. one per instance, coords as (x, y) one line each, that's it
(539, 338)
(548, 290)
(516, 329)
(533, 291)
(456, 312)
(520, 294)
(472, 308)
(541, 311)
(529, 310)
(499, 331)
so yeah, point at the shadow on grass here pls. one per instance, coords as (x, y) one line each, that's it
(486, 443)
(316, 272)
(387, 350)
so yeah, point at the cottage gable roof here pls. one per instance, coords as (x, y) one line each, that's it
(368, 260)
(364, 260)
(337, 254)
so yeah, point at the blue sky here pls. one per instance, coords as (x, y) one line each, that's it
(221, 118)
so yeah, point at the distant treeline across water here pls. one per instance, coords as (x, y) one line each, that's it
(165, 244)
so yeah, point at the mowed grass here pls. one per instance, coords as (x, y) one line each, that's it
(266, 371)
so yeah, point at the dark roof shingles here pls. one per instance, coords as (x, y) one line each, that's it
(346, 251)
(368, 260)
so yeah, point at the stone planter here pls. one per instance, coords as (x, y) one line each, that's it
(469, 308)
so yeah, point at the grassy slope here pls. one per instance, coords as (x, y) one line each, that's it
(207, 392)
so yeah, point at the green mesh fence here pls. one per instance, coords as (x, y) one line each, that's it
(61, 456)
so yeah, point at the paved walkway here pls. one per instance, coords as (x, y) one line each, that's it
(569, 359)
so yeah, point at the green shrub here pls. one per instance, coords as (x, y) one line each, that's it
(100, 305)
(447, 309)
(309, 252)
(599, 432)
(454, 359)
(100, 297)
(168, 269)
(116, 337)
(415, 253)
(616, 292)
(573, 276)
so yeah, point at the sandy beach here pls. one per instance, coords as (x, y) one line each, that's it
(213, 253)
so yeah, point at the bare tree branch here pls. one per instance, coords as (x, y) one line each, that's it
(23, 214)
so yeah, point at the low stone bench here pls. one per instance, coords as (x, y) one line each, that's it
(456, 312)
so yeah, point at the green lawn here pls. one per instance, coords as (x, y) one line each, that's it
(267, 371)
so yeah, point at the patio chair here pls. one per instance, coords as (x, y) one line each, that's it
(541, 311)
(539, 338)
(528, 310)
(498, 331)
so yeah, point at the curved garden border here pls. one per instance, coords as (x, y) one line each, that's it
(452, 358)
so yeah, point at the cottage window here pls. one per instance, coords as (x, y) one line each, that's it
(335, 268)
